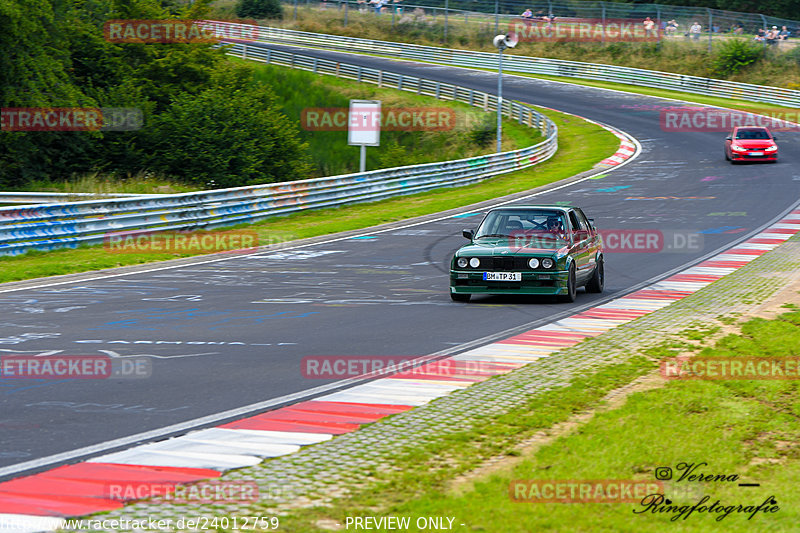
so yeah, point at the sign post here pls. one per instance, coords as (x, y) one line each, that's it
(364, 127)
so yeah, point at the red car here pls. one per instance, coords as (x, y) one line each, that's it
(750, 143)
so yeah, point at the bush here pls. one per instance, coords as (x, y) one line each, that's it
(226, 137)
(734, 55)
(259, 9)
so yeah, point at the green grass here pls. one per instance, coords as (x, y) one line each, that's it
(750, 429)
(581, 145)
(329, 149)
(97, 183)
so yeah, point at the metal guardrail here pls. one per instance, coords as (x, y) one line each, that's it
(533, 65)
(57, 197)
(46, 227)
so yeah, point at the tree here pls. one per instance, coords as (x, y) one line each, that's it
(259, 9)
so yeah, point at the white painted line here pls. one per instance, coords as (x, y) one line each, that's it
(259, 436)
(734, 257)
(756, 246)
(367, 397)
(708, 271)
(190, 445)
(178, 459)
(639, 304)
(693, 286)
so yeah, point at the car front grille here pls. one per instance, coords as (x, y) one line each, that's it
(509, 263)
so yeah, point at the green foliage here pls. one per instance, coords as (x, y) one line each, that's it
(226, 137)
(734, 55)
(53, 54)
(259, 9)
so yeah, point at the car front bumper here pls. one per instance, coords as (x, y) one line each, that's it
(471, 282)
(738, 156)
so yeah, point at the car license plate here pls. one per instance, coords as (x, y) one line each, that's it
(756, 153)
(502, 276)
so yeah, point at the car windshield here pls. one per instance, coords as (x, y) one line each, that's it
(760, 134)
(515, 223)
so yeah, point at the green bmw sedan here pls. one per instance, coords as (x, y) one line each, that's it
(529, 249)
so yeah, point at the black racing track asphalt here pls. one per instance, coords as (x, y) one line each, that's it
(227, 334)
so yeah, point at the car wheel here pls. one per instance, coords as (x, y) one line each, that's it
(572, 288)
(458, 297)
(598, 280)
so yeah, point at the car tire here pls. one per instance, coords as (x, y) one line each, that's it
(459, 297)
(598, 279)
(572, 289)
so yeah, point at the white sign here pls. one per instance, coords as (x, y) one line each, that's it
(364, 123)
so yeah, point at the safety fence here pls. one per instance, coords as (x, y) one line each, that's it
(450, 16)
(46, 227)
(525, 64)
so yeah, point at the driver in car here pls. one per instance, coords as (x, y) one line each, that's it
(555, 227)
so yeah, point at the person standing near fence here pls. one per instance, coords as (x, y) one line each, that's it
(695, 30)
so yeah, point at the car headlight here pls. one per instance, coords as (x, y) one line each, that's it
(533, 263)
(462, 262)
(474, 262)
(771, 148)
(737, 148)
(547, 263)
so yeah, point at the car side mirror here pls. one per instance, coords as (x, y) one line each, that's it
(728, 138)
(468, 233)
(774, 137)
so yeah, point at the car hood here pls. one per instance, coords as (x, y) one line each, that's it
(507, 248)
(753, 143)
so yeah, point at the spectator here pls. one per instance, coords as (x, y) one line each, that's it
(738, 29)
(784, 34)
(772, 35)
(376, 5)
(695, 30)
(527, 14)
(760, 35)
(672, 27)
(648, 25)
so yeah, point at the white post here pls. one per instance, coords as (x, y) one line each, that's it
(500, 101)
(362, 165)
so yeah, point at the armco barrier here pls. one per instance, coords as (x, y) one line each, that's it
(532, 65)
(56, 197)
(46, 227)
